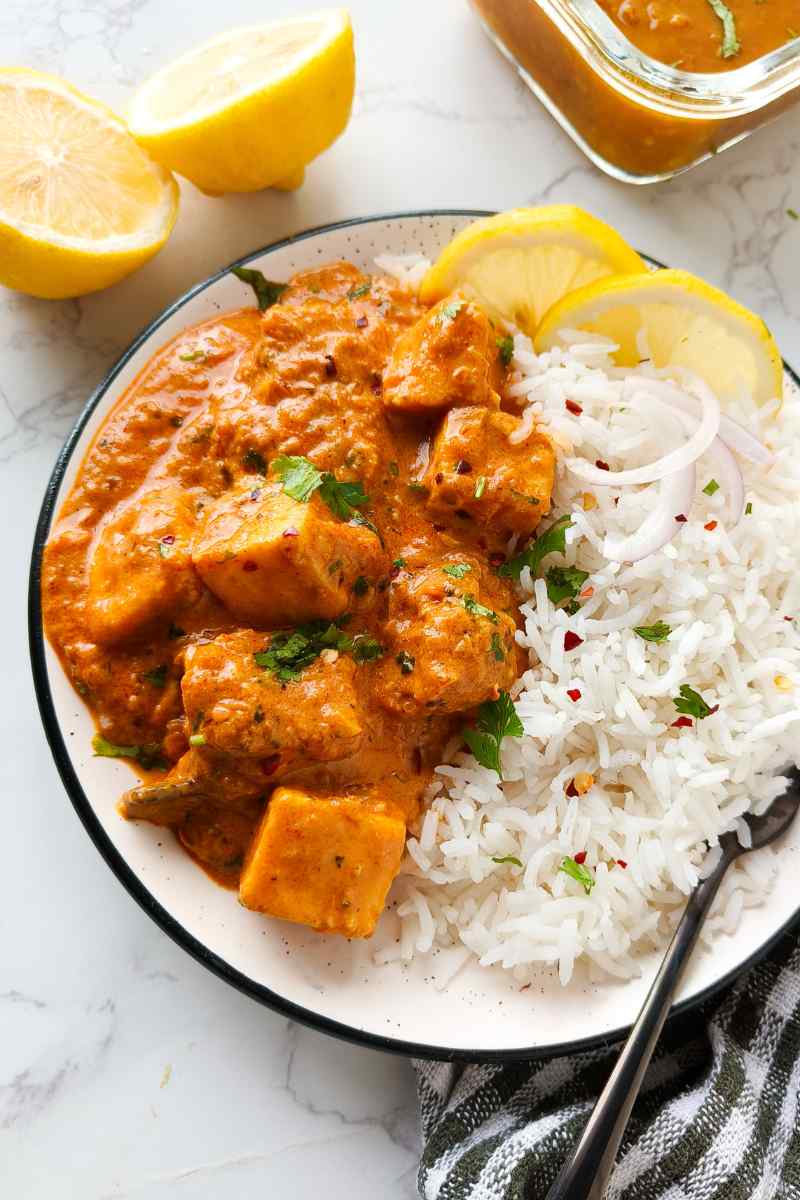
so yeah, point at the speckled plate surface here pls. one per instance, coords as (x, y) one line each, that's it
(328, 982)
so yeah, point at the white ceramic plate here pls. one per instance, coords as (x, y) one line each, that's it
(328, 982)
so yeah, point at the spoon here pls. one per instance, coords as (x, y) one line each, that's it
(586, 1172)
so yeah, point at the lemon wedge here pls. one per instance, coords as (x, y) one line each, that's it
(81, 204)
(519, 263)
(678, 320)
(251, 108)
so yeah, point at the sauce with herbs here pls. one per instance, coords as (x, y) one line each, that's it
(274, 581)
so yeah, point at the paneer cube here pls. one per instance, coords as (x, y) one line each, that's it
(323, 862)
(448, 358)
(141, 571)
(241, 708)
(275, 561)
(449, 649)
(475, 468)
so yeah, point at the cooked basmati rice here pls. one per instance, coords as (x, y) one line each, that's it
(662, 795)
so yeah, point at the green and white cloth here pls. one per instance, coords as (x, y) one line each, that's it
(718, 1117)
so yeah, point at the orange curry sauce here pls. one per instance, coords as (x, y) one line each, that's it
(199, 537)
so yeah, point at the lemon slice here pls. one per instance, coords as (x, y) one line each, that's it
(678, 320)
(519, 263)
(81, 204)
(252, 107)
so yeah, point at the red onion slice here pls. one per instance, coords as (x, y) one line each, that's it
(676, 493)
(673, 462)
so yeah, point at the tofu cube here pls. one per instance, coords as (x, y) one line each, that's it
(275, 561)
(141, 571)
(476, 468)
(323, 862)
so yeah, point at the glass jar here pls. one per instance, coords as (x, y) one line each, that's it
(636, 118)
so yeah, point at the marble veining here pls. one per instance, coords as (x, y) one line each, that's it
(126, 1070)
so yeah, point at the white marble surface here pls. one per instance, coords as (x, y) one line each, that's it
(125, 1069)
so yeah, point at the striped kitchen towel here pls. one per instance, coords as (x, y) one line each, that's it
(718, 1117)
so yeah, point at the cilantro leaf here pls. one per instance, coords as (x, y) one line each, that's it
(498, 653)
(148, 755)
(564, 583)
(477, 609)
(366, 648)
(158, 676)
(552, 541)
(342, 498)
(579, 873)
(267, 293)
(692, 704)
(448, 313)
(254, 461)
(480, 486)
(654, 633)
(506, 347)
(299, 476)
(496, 719)
(300, 479)
(291, 651)
(357, 292)
(457, 570)
(730, 41)
(508, 858)
(711, 487)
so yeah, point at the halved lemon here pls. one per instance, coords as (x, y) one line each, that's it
(519, 263)
(678, 320)
(81, 204)
(251, 108)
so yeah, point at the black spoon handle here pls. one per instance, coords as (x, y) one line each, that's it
(585, 1174)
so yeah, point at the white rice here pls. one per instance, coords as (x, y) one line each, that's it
(662, 795)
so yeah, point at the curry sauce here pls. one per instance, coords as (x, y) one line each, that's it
(275, 580)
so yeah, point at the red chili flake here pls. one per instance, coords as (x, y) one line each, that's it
(249, 565)
(571, 789)
(788, 618)
(571, 640)
(575, 409)
(376, 382)
(602, 466)
(574, 695)
(580, 857)
(463, 467)
(361, 323)
(497, 558)
(525, 987)
(439, 477)
(681, 518)
(270, 765)
(290, 532)
(330, 366)
(712, 710)
(439, 528)
(168, 539)
(621, 863)
(710, 525)
(683, 723)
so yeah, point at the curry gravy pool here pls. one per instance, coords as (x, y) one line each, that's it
(274, 581)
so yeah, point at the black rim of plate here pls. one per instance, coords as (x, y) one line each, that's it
(127, 877)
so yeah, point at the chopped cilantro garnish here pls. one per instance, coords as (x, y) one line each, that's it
(792, 212)
(394, 468)
(288, 653)
(457, 570)
(692, 704)
(497, 648)
(476, 609)
(334, 566)
(399, 562)
(552, 541)
(748, 508)
(496, 719)
(730, 42)
(508, 858)
(711, 487)
(254, 461)
(564, 583)
(361, 586)
(366, 648)
(579, 873)
(158, 676)
(267, 293)
(446, 315)
(193, 356)
(197, 739)
(405, 661)
(416, 486)
(357, 292)
(506, 347)
(654, 633)
(480, 486)
(300, 479)
(149, 755)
